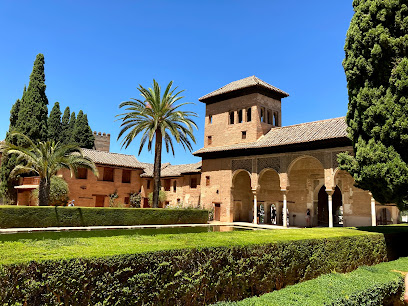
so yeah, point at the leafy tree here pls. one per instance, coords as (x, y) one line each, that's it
(82, 134)
(71, 127)
(59, 192)
(162, 197)
(65, 136)
(157, 117)
(54, 124)
(45, 159)
(8, 162)
(376, 67)
(33, 111)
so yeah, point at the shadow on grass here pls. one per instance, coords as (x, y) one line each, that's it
(396, 238)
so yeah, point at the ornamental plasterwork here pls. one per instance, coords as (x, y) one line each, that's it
(244, 164)
(268, 162)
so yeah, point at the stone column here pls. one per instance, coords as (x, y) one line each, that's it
(330, 194)
(285, 209)
(255, 207)
(373, 214)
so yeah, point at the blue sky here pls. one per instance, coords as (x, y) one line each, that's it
(97, 52)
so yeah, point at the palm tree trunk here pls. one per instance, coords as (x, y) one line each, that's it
(44, 192)
(157, 168)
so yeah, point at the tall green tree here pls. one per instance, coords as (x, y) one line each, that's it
(65, 136)
(8, 162)
(71, 127)
(157, 118)
(82, 134)
(33, 112)
(46, 159)
(54, 123)
(376, 67)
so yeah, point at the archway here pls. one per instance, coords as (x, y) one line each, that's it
(305, 175)
(323, 207)
(242, 197)
(269, 194)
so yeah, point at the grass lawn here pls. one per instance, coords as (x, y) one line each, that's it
(18, 248)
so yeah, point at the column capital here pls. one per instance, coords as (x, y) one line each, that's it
(254, 191)
(284, 191)
(330, 191)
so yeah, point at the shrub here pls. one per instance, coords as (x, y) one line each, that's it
(376, 285)
(186, 277)
(58, 192)
(135, 199)
(45, 216)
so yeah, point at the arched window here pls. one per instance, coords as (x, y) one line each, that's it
(248, 115)
(231, 117)
(240, 119)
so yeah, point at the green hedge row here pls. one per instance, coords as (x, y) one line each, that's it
(186, 277)
(377, 285)
(46, 216)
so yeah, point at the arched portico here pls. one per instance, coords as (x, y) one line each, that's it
(242, 196)
(269, 194)
(305, 174)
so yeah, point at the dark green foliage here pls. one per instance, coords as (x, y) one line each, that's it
(59, 192)
(377, 285)
(376, 68)
(54, 123)
(29, 116)
(82, 134)
(36, 216)
(33, 112)
(65, 136)
(71, 127)
(185, 277)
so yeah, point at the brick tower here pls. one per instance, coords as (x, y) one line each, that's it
(102, 141)
(241, 111)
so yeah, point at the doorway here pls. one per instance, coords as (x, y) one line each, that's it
(99, 201)
(217, 212)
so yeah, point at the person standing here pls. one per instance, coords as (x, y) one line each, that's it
(308, 217)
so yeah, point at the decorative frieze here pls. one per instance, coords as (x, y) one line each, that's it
(244, 164)
(269, 162)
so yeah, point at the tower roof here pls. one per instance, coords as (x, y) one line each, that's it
(252, 82)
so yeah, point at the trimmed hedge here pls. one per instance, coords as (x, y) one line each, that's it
(377, 285)
(186, 277)
(46, 216)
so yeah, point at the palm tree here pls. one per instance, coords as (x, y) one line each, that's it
(45, 159)
(157, 117)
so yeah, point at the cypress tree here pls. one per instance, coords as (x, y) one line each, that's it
(8, 162)
(54, 123)
(83, 135)
(71, 126)
(65, 136)
(376, 67)
(33, 112)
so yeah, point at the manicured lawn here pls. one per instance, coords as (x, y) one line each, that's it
(17, 248)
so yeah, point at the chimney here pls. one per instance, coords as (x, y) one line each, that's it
(102, 141)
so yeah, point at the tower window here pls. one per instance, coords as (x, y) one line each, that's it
(174, 186)
(243, 134)
(269, 116)
(207, 181)
(210, 119)
(209, 140)
(248, 115)
(262, 114)
(240, 119)
(231, 117)
(275, 119)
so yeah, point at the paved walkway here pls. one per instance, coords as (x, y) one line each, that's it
(91, 228)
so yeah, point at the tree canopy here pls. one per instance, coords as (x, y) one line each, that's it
(54, 123)
(376, 67)
(157, 118)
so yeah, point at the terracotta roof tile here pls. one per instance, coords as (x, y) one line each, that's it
(243, 83)
(168, 170)
(112, 159)
(292, 134)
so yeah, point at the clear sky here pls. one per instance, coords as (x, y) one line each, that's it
(97, 52)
